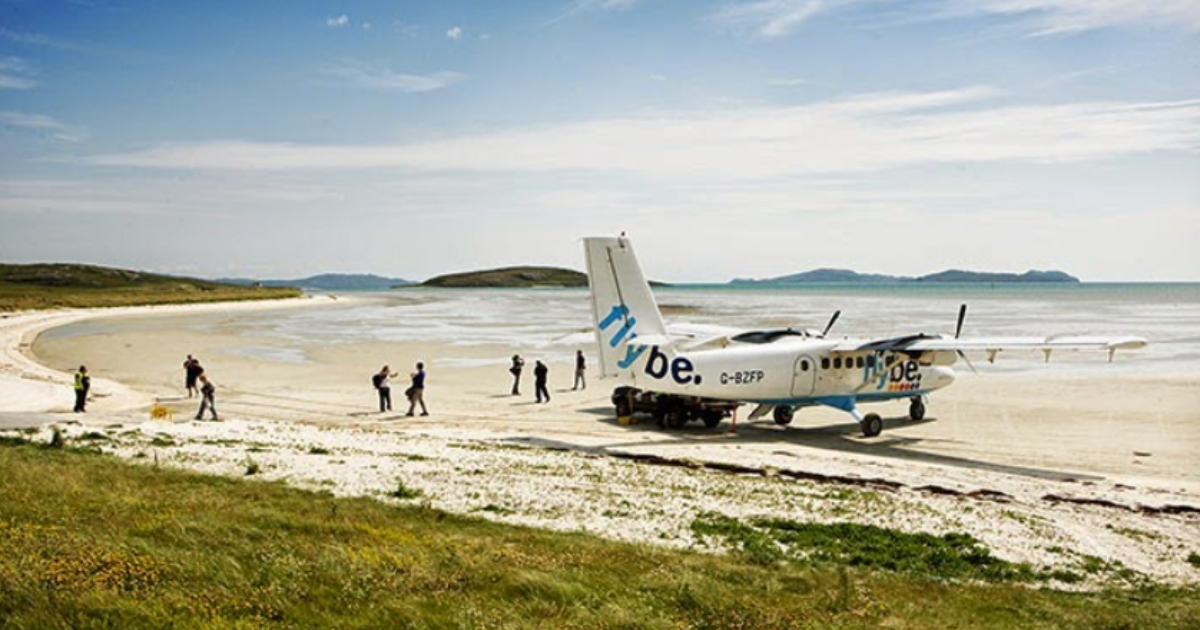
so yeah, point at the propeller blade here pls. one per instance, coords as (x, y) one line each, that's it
(836, 315)
(962, 316)
(969, 364)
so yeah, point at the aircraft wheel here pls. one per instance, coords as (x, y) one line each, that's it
(711, 418)
(916, 410)
(872, 425)
(676, 418)
(624, 408)
(783, 415)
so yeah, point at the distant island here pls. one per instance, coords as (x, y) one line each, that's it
(511, 278)
(328, 282)
(950, 275)
(41, 286)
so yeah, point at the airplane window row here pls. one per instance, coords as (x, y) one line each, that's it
(837, 363)
(849, 363)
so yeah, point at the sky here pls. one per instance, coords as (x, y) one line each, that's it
(727, 138)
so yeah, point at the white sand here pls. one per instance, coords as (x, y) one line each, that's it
(1128, 441)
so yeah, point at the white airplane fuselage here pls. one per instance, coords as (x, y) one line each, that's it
(797, 371)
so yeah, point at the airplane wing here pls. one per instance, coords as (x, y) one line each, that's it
(993, 345)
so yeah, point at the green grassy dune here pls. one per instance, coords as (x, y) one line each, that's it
(28, 287)
(89, 541)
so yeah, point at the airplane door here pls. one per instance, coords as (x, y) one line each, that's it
(804, 377)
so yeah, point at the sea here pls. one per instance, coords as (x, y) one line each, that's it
(550, 321)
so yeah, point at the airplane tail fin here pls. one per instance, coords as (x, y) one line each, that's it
(623, 306)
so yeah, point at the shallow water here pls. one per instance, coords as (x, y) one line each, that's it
(500, 321)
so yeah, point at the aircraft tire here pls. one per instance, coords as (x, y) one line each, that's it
(783, 415)
(677, 418)
(872, 425)
(711, 418)
(916, 410)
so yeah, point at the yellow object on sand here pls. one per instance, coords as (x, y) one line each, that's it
(159, 412)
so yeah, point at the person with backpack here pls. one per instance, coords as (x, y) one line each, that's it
(192, 371)
(383, 384)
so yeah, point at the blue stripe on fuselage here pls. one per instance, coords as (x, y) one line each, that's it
(837, 402)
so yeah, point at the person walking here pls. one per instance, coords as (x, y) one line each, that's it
(208, 393)
(192, 371)
(416, 392)
(383, 384)
(518, 364)
(540, 372)
(83, 384)
(580, 367)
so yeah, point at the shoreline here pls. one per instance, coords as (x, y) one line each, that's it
(27, 385)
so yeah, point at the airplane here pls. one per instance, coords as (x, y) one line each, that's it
(706, 371)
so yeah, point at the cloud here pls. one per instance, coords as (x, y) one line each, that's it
(455, 33)
(771, 19)
(40, 39)
(1050, 17)
(337, 22)
(374, 78)
(871, 132)
(16, 74)
(587, 6)
(766, 18)
(41, 123)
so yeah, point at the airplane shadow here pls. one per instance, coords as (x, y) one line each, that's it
(842, 438)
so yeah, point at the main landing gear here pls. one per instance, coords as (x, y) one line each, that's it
(872, 425)
(783, 415)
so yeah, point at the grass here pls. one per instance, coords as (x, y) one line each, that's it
(89, 541)
(404, 492)
(31, 287)
(952, 556)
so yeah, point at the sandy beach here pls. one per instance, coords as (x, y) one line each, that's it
(1047, 468)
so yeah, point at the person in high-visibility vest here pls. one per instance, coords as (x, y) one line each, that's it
(83, 383)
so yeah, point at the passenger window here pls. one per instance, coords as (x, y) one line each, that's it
(858, 362)
(825, 363)
(871, 361)
(837, 363)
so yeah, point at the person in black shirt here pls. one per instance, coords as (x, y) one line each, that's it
(518, 364)
(416, 393)
(192, 371)
(540, 371)
(580, 366)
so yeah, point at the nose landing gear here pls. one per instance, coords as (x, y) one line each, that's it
(916, 409)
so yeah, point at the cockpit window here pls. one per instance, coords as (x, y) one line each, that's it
(768, 336)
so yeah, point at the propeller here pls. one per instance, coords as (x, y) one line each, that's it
(832, 320)
(962, 316)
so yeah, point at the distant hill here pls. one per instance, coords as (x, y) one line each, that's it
(510, 277)
(951, 275)
(73, 285)
(329, 282)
